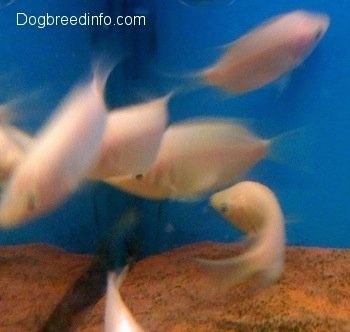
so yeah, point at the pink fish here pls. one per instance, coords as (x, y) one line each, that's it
(267, 52)
(59, 157)
(131, 139)
(129, 145)
(197, 157)
(254, 209)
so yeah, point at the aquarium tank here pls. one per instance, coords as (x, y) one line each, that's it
(158, 48)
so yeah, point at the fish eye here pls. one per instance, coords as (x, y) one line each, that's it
(139, 177)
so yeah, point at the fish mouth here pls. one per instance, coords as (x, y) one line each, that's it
(311, 31)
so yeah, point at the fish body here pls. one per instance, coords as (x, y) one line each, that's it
(59, 156)
(254, 208)
(267, 52)
(118, 317)
(131, 139)
(197, 157)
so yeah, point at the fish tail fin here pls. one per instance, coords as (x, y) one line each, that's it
(180, 82)
(187, 77)
(296, 149)
(223, 274)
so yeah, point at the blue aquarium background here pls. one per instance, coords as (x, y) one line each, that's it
(312, 181)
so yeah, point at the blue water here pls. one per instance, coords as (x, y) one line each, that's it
(180, 37)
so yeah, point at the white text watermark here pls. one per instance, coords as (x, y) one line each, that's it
(87, 19)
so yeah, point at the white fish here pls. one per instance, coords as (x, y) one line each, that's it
(131, 139)
(118, 317)
(197, 157)
(60, 155)
(267, 52)
(255, 209)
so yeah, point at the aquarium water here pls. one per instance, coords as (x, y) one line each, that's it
(40, 59)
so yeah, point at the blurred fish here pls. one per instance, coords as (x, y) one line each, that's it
(118, 317)
(131, 139)
(60, 155)
(267, 52)
(197, 157)
(129, 146)
(254, 209)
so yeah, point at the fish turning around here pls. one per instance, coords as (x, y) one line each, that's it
(254, 208)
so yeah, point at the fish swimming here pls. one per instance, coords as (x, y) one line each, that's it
(254, 208)
(60, 155)
(131, 139)
(267, 52)
(197, 157)
(118, 317)
(129, 145)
